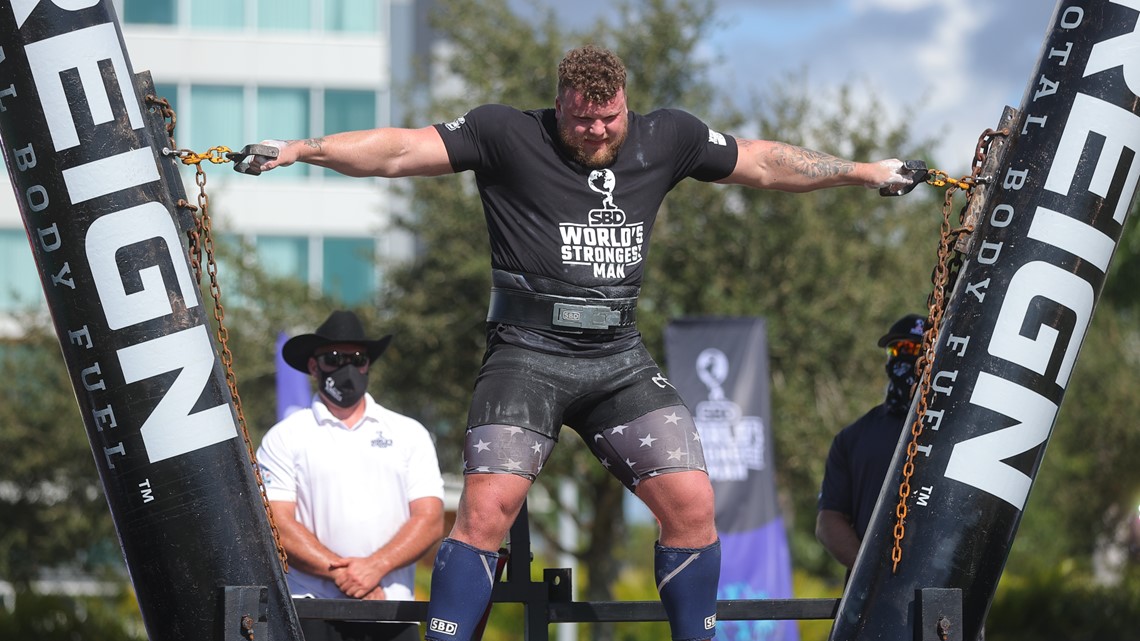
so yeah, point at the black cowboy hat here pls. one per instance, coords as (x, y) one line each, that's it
(908, 328)
(341, 327)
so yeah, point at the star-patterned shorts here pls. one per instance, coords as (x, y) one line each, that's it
(625, 410)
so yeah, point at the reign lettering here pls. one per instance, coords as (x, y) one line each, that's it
(110, 233)
(171, 429)
(1034, 282)
(979, 461)
(82, 49)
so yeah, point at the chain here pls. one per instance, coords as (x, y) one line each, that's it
(944, 275)
(201, 238)
(216, 155)
(939, 178)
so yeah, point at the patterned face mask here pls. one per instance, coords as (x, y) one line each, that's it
(901, 377)
(345, 386)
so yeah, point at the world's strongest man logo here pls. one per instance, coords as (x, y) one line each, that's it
(606, 243)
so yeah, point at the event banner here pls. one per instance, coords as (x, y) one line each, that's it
(720, 368)
(293, 389)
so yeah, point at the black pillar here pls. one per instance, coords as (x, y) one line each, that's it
(1014, 325)
(86, 171)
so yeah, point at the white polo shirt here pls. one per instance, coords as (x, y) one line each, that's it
(352, 485)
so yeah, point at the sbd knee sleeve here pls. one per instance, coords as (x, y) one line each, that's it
(686, 580)
(461, 583)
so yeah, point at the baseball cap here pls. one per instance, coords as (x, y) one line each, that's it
(909, 327)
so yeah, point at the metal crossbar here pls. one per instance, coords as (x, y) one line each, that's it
(550, 601)
(938, 611)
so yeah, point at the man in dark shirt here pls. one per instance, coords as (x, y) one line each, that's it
(861, 453)
(570, 195)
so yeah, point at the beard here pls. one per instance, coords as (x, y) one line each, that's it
(602, 157)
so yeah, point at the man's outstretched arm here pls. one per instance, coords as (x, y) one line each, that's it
(764, 164)
(387, 152)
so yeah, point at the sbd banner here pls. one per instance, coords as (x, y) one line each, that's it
(720, 368)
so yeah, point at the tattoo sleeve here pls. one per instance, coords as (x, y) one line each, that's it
(806, 162)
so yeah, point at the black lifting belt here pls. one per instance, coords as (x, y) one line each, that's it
(546, 311)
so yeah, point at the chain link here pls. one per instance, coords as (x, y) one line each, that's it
(216, 155)
(943, 278)
(201, 239)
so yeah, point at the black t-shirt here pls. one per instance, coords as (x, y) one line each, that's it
(551, 217)
(858, 462)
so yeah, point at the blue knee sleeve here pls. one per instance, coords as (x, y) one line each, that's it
(687, 580)
(461, 583)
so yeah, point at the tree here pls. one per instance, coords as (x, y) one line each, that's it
(51, 503)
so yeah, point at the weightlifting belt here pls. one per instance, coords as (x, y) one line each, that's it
(562, 313)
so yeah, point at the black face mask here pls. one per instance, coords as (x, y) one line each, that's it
(344, 387)
(901, 377)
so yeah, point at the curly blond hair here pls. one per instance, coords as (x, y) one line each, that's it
(596, 73)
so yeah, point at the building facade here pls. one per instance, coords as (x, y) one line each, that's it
(240, 71)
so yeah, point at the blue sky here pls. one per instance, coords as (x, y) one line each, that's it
(949, 66)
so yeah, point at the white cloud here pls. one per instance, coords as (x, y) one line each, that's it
(894, 6)
(954, 63)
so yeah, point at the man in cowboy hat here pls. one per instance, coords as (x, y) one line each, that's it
(861, 453)
(355, 488)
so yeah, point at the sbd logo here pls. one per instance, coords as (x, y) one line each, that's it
(446, 627)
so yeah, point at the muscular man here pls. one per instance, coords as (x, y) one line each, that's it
(570, 195)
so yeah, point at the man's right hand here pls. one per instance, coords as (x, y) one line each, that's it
(377, 594)
(254, 159)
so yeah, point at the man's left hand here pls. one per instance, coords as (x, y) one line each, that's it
(901, 177)
(356, 576)
(377, 594)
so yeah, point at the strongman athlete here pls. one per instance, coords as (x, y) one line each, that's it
(570, 195)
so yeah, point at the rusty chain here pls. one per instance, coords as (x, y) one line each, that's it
(201, 239)
(943, 278)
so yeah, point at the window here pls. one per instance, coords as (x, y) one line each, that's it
(284, 14)
(283, 114)
(19, 278)
(360, 16)
(220, 14)
(170, 92)
(284, 256)
(346, 16)
(347, 110)
(150, 11)
(215, 119)
(349, 269)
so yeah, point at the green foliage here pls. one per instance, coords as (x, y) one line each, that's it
(51, 505)
(1120, 288)
(65, 618)
(806, 585)
(1063, 603)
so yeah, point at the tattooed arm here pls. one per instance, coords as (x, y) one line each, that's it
(387, 153)
(764, 164)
